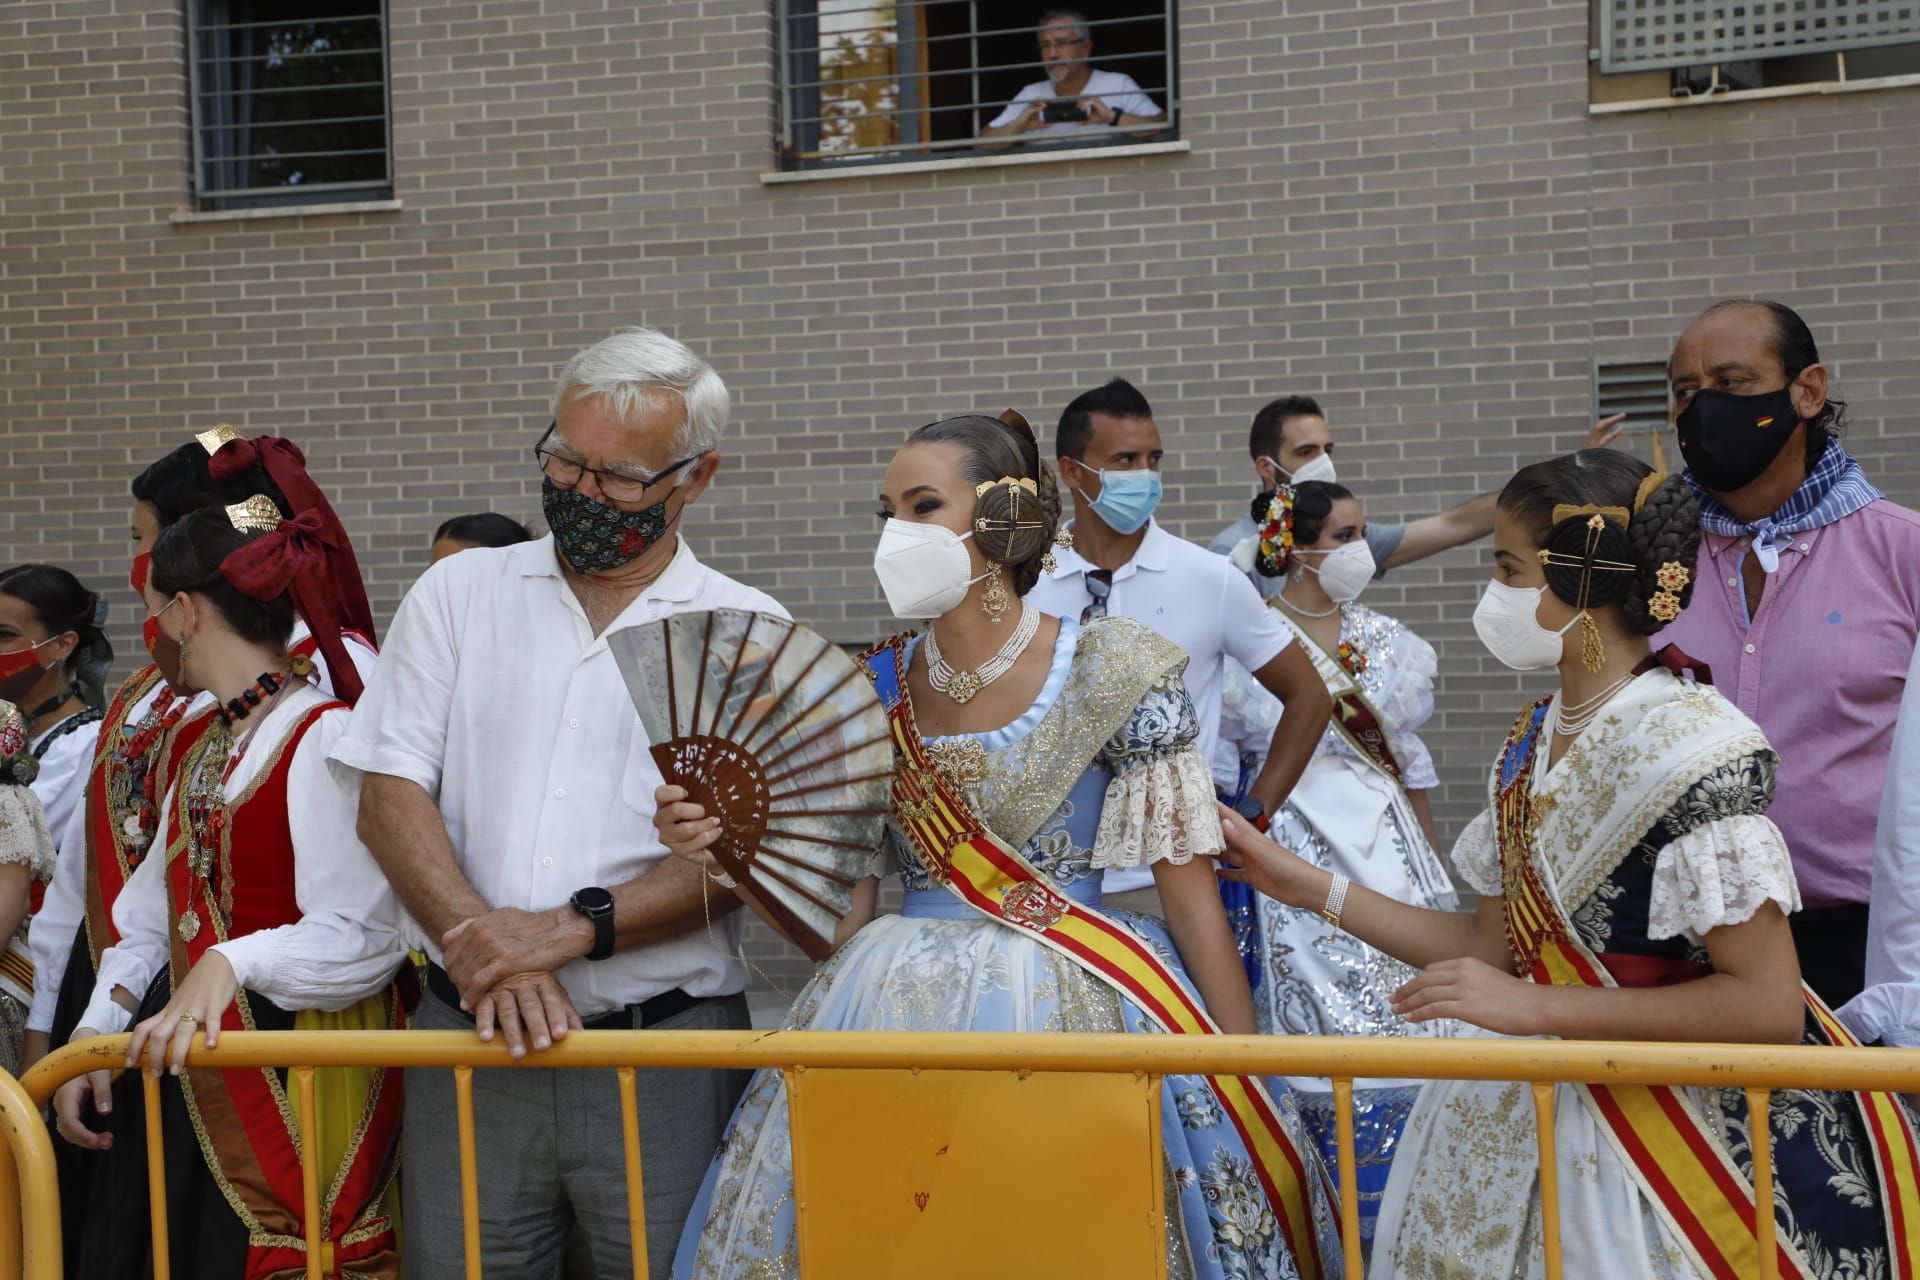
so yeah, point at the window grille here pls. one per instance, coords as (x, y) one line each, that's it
(1650, 35)
(866, 81)
(290, 102)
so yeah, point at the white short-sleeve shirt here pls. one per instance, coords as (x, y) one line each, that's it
(495, 696)
(1119, 92)
(1194, 598)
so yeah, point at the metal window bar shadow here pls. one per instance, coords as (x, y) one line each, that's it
(1545, 1065)
(858, 83)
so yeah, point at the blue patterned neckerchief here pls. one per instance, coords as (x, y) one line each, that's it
(1836, 487)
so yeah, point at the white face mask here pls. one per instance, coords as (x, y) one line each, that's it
(1507, 622)
(1344, 571)
(1319, 467)
(923, 568)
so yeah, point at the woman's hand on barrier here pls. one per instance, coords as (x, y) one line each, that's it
(198, 1004)
(72, 1097)
(1472, 991)
(1252, 858)
(685, 828)
(526, 1007)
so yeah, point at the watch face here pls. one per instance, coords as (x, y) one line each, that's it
(593, 901)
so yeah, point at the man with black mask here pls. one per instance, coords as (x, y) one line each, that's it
(1816, 655)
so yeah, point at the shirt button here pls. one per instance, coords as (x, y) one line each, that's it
(1749, 648)
(560, 793)
(546, 862)
(573, 723)
(1806, 546)
(1733, 582)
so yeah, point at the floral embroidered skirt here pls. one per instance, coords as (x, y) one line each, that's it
(911, 973)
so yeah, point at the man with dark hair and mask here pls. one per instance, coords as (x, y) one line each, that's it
(1121, 562)
(1291, 443)
(1806, 604)
(509, 798)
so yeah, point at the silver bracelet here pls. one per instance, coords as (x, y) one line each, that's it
(1336, 899)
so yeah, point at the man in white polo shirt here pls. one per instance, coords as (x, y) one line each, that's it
(1122, 563)
(1074, 98)
(508, 795)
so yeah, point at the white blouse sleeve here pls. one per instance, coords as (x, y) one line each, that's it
(1476, 856)
(1720, 873)
(50, 935)
(346, 944)
(140, 918)
(1889, 1009)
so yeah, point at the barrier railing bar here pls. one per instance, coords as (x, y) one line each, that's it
(156, 1172)
(12, 1216)
(636, 1185)
(1543, 1097)
(469, 1167)
(1349, 1175)
(1561, 1061)
(317, 1266)
(27, 1155)
(1760, 1147)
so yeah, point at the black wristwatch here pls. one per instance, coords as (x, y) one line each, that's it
(596, 904)
(1253, 811)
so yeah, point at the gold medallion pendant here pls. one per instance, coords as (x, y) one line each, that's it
(189, 925)
(964, 685)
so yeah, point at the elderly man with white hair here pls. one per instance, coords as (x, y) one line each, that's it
(508, 795)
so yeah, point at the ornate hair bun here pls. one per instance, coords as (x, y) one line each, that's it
(1009, 520)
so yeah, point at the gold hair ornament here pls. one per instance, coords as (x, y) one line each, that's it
(212, 440)
(256, 515)
(1672, 578)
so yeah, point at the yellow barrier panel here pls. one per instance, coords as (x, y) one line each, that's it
(1758, 1069)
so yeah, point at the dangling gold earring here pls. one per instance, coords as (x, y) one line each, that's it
(996, 599)
(1593, 653)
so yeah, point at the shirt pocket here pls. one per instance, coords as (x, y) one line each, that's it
(638, 782)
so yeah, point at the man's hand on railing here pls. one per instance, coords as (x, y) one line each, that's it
(482, 952)
(73, 1096)
(528, 1009)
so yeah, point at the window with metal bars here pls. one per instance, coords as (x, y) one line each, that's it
(1637, 388)
(289, 102)
(873, 81)
(1649, 35)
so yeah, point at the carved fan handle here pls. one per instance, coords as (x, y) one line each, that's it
(730, 785)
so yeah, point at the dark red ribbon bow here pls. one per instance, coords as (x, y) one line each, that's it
(294, 560)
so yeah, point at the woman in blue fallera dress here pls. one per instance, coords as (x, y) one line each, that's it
(1073, 745)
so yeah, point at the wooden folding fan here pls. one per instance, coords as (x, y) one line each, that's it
(775, 730)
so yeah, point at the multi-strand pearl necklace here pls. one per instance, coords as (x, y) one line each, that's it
(963, 686)
(1571, 719)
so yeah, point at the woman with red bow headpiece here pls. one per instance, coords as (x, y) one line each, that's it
(272, 915)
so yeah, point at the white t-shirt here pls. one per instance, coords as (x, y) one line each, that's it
(1199, 601)
(496, 697)
(1118, 92)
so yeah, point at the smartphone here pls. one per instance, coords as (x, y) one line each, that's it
(1063, 111)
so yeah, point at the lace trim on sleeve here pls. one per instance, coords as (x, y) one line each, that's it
(1720, 873)
(1162, 810)
(1476, 856)
(23, 832)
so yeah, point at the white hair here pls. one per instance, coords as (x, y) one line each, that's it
(1073, 17)
(635, 365)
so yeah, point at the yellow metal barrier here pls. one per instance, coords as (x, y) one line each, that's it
(1758, 1070)
(28, 1187)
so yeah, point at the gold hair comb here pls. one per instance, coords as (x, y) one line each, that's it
(220, 435)
(980, 490)
(1566, 511)
(256, 515)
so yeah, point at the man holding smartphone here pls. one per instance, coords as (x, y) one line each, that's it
(1074, 98)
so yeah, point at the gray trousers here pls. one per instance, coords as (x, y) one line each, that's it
(551, 1160)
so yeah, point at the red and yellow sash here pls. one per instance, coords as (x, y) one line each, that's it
(1354, 717)
(1687, 1174)
(984, 872)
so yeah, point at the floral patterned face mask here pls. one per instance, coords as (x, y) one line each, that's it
(594, 537)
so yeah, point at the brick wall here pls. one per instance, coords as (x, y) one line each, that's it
(1404, 209)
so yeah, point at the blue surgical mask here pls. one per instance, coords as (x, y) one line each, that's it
(1127, 499)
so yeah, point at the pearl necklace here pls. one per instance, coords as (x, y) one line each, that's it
(963, 686)
(1308, 613)
(1573, 719)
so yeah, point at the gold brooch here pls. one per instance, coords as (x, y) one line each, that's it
(256, 515)
(1673, 576)
(220, 435)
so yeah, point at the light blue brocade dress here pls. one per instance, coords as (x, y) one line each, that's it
(942, 966)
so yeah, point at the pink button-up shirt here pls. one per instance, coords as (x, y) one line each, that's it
(1820, 667)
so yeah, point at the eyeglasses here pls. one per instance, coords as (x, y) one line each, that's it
(1099, 585)
(620, 486)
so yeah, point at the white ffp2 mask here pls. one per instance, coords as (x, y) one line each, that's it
(923, 568)
(1344, 571)
(1319, 467)
(1507, 623)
